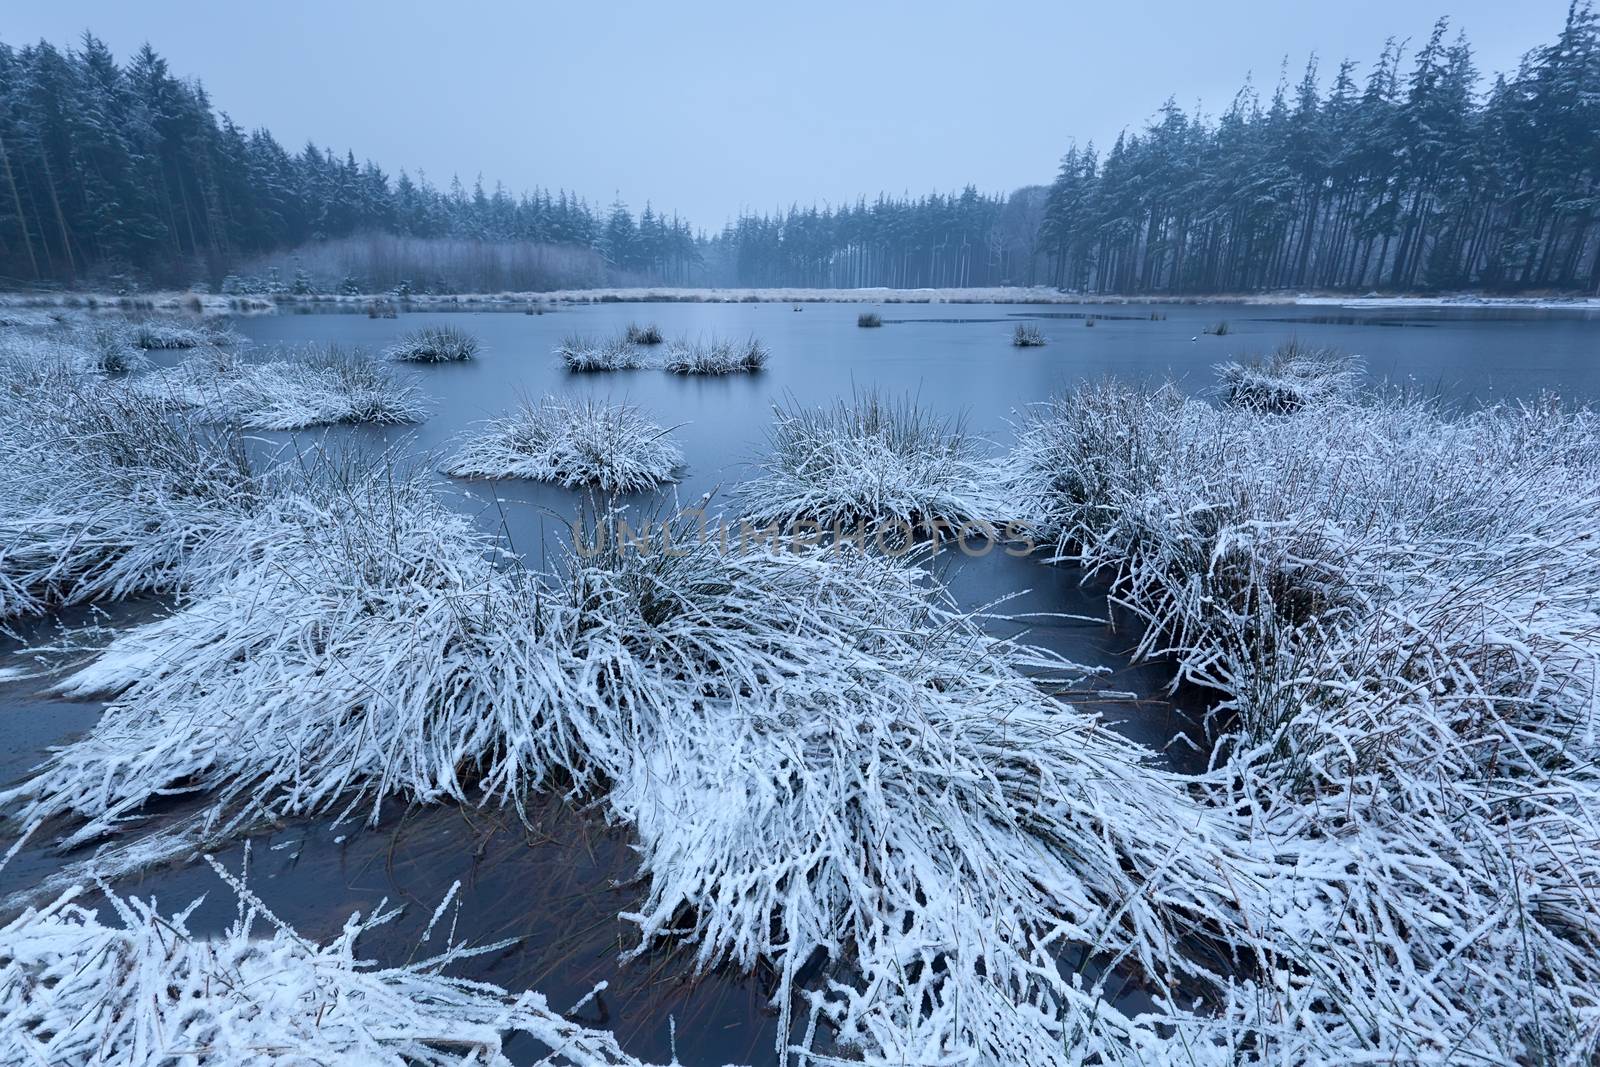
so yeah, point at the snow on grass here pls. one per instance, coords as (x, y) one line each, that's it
(434, 344)
(572, 442)
(1399, 612)
(818, 753)
(715, 357)
(1028, 336)
(318, 385)
(1292, 376)
(643, 335)
(144, 989)
(583, 354)
(105, 493)
(178, 333)
(874, 461)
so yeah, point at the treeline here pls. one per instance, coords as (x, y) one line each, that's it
(965, 239)
(1413, 177)
(1410, 181)
(117, 174)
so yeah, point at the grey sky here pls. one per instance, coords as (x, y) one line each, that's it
(707, 108)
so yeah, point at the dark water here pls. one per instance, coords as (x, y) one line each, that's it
(559, 884)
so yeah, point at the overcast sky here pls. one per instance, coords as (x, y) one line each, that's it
(710, 108)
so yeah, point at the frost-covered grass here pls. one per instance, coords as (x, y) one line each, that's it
(871, 461)
(434, 344)
(818, 754)
(103, 492)
(318, 385)
(1399, 612)
(643, 335)
(573, 442)
(1292, 376)
(583, 354)
(177, 333)
(716, 356)
(869, 318)
(1027, 336)
(144, 989)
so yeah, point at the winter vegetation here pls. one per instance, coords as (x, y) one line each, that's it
(582, 354)
(1292, 376)
(716, 356)
(572, 442)
(869, 319)
(871, 461)
(104, 493)
(769, 695)
(315, 385)
(643, 335)
(1396, 609)
(1027, 336)
(434, 344)
(171, 333)
(144, 989)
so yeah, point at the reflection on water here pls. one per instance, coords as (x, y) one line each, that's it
(559, 884)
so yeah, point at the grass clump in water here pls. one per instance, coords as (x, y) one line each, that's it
(643, 335)
(573, 443)
(434, 344)
(868, 319)
(716, 357)
(581, 354)
(870, 460)
(1291, 377)
(1027, 336)
(1219, 329)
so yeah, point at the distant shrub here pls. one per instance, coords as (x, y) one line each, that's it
(1218, 329)
(643, 335)
(381, 309)
(434, 344)
(869, 318)
(1089, 321)
(1027, 336)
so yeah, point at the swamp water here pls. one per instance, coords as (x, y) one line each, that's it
(558, 884)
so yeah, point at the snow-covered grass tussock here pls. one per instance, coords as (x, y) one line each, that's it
(1399, 609)
(880, 807)
(434, 344)
(581, 354)
(1292, 376)
(649, 334)
(145, 990)
(716, 357)
(318, 385)
(572, 442)
(1028, 336)
(179, 333)
(871, 460)
(105, 493)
